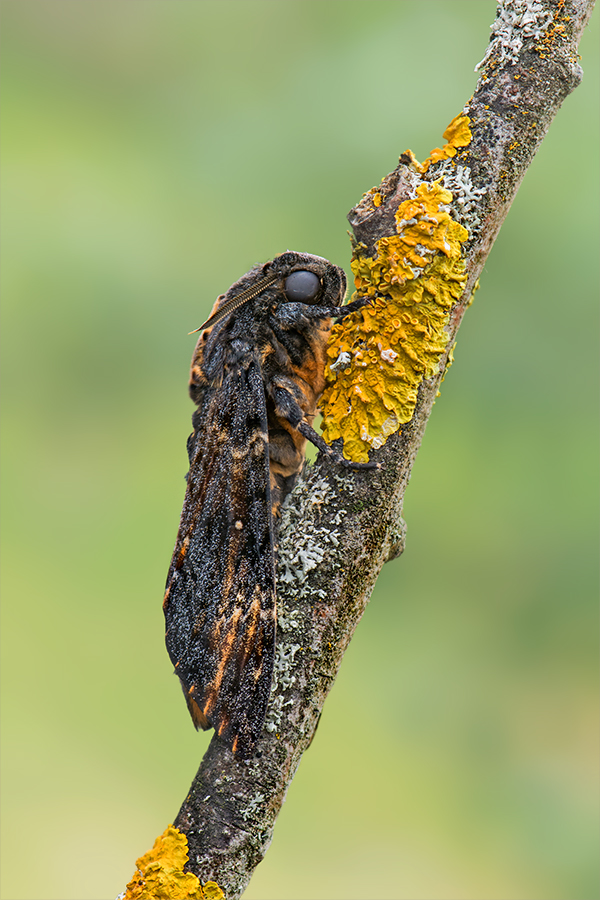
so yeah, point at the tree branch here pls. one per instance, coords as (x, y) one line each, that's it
(339, 528)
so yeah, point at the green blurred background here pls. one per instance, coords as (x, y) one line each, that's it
(153, 151)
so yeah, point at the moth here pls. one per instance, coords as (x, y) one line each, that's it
(256, 376)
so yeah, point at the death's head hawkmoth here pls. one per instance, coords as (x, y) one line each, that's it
(256, 377)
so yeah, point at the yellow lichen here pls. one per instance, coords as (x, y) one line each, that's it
(212, 891)
(457, 134)
(160, 874)
(378, 357)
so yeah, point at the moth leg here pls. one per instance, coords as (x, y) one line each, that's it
(293, 315)
(311, 435)
(287, 408)
(339, 312)
(352, 307)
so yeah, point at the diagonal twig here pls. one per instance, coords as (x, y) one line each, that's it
(338, 529)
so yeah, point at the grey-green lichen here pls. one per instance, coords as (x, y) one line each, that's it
(300, 551)
(466, 198)
(517, 21)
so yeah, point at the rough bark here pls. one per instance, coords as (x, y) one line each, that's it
(338, 529)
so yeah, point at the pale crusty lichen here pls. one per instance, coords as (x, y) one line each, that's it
(283, 679)
(299, 552)
(466, 198)
(517, 21)
(379, 356)
(160, 876)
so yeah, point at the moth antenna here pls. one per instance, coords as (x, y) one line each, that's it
(235, 302)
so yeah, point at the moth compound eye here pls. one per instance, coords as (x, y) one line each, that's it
(302, 287)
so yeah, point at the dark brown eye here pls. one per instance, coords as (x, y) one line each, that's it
(302, 287)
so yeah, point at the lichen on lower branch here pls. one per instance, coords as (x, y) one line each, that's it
(160, 873)
(378, 357)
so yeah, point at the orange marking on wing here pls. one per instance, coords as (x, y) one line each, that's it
(199, 719)
(182, 552)
(258, 672)
(254, 615)
(250, 631)
(225, 650)
(223, 724)
(249, 639)
(228, 577)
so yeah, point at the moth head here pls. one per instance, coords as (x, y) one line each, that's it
(322, 283)
(310, 279)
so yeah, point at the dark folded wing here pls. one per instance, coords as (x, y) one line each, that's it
(220, 598)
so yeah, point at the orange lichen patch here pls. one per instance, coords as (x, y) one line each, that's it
(424, 228)
(160, 874)
(378, 357)
(457, 134)
(212, 891)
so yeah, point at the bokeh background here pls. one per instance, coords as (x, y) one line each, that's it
(152, 152)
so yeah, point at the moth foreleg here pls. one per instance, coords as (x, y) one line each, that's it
(352, 307)
(293, 315)
(287, 408)
(311, 435)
